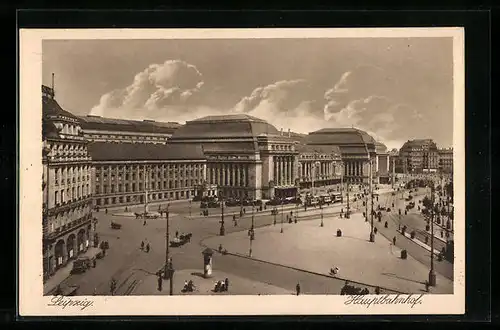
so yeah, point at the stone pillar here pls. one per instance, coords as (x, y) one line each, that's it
(275, 174)
(288, 170)
(219, 170)
(233, 175)
(244, 175)
(285, 177)
(247, 174)
(282, 170)
(237, 171)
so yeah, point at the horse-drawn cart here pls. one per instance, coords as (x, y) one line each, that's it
(181, 240)
(115, 225)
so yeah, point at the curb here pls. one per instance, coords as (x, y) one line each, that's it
(304, 270)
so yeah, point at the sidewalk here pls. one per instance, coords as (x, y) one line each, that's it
(64, 272)
(308, 246)
(419, 242)
(237, 285)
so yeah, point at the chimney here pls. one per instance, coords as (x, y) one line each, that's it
(281, 131)
(289, 134)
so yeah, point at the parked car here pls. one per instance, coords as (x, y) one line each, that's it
(81, 264)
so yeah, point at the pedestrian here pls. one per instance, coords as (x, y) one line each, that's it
(94, 262)
(394, 240)
(226, 282)
(147, 248)
(377, 290)
(244, 211)
(106, 211)
(297, 289)
(95, 292)
(144, 223)
(142, 245)
(176, 233)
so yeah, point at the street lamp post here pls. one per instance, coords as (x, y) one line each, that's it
(372, 234)
(146, 186)
(321, 209)
(190, 208)
(366, 205)
(167, 244)
(347, 214)
(222, 230)
(432, 274)
(342, 182)
(282, 215)
(252, 232)
(253, 215)
(296, 202)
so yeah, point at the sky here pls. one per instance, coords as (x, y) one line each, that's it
(396, 89)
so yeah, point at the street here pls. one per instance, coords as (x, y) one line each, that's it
(131, 267)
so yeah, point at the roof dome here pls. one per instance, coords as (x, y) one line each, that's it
(380, 147)
(340, 136)
(226, 126)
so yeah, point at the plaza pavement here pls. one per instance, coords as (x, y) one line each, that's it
(308, 246)
(204, 286)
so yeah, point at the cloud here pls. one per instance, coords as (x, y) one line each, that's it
(287, 104)
(157, 91)
(366, 98)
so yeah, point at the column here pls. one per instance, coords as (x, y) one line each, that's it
(287, 170)
(276, 171)
(285, 165)
(282, 171)
(226, 174)
(246, 175)
(237, 173)
(233, 175)
(219, 174)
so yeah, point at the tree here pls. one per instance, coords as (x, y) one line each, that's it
(427, 203)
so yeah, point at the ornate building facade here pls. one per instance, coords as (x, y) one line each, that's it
(128, 174)
(319, 166)
(357, 149)
(383, 174)
(446, 160)
(67, 187)
(419, 156)
(246, 156)
(99, 129)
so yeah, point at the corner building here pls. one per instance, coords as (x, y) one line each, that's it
(246, 156)
(67, 187)
(357, 149)
(419, 156)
